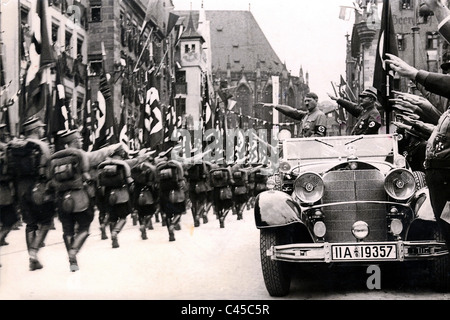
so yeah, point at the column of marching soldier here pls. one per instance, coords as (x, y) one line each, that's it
(39, 182)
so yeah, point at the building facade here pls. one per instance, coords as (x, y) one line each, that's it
(244, 65)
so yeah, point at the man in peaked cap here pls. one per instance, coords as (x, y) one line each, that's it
(29, 158)
(313, 122)
(74, 237)
(32, 123)
(368, 117)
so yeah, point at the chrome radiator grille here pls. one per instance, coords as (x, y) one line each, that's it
(357, 185)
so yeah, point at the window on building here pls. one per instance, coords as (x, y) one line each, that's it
(96, 13)
(432, 40)
(401, 42)
(24, 15)
(80, 42)
(186, 48)
(406, 4)
(181, 76)
(193, 48)
(68, 42)
(55, 29)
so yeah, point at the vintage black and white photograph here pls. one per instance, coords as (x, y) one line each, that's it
(224, 150)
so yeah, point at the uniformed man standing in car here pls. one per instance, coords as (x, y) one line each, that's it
(368, 117)
(313, 122)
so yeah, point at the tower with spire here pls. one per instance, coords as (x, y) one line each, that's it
(192, 61)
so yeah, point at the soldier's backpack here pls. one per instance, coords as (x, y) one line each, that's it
(144, 173)
(219, 178)
(66, 169)
(240, 178)
(170, 173)
(111, 174)
(23, 158)
(196, 172)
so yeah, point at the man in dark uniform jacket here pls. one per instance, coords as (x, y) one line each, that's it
(313, 121)
(37, 215)
(368, 117)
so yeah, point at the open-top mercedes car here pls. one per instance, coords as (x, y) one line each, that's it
(346, 200)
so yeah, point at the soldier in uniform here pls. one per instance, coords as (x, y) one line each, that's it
(145, 193)
(76, 221)
(29, 160)
(368, 117)
(313, 121)
(8, 215)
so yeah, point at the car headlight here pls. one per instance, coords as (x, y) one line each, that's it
(285, 167)
(400, 184)
(400, 161)
(309, 187)
(319, 229)
(396, 227)
(271, 184)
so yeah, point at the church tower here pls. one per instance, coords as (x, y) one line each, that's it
(192, 64)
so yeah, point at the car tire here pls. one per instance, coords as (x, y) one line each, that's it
(276, 274)
(440, 267)
(419, 178)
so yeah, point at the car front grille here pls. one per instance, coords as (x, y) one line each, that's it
(354, 185)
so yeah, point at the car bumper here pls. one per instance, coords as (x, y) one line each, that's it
(358, 251)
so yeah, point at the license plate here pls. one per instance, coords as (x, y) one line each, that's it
(363, 252)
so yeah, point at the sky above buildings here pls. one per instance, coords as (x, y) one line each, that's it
(307, 34)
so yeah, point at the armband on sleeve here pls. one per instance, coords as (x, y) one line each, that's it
(320, 130)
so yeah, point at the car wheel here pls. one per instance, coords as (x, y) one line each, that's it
(277, 274)
(419, 177)
(440, 267)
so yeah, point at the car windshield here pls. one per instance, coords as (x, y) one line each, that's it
(368, 147)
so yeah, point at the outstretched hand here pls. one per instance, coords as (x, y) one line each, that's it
(400, 66)
(332, 97)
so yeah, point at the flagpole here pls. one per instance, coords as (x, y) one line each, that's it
(387, 43)
(143, 50)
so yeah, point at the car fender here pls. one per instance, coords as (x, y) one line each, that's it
(275, 208)
(423, 208)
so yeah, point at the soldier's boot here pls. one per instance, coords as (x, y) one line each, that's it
(3, 233)
(170, 228)
(143, 230)
(176, 222)
(103, 224)
(163, 219)
(195, 216)
(171, 233)
(135, 218)
(77, 243)
(104, 236)
(240, 210)
(34, 240)
(157, 217)
(148, 222)
(115, 232)
(68, 241)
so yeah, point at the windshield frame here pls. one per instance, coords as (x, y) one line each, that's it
(340, 148)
